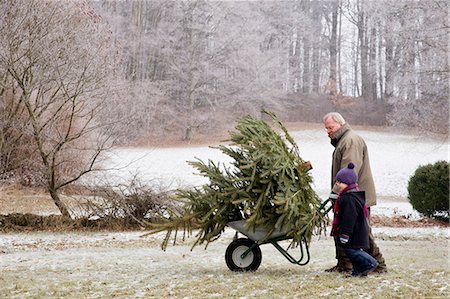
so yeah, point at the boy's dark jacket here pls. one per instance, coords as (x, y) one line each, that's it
(351, 220)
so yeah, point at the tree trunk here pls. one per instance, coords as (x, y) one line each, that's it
(372, 67)
(339, 65)
(294, 60)
(317, 30)
(356, 90)
(188, 133)
(362, 39)
(306, 84)
(381, 82)
(306, 88)
(333, 49)
(57, 200)
(388, 66)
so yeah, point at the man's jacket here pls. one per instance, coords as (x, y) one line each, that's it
(350, 147)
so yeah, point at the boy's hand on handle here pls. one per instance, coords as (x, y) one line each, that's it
(333, 196)
(343, 238)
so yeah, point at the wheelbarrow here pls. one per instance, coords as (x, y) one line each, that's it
(244, 254)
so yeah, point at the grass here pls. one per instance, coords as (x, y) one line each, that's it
(140, 269)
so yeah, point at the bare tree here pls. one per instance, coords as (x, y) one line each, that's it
(56, 56)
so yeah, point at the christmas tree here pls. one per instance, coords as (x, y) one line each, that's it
(267, 184)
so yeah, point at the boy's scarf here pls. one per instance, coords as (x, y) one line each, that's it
(335, 226)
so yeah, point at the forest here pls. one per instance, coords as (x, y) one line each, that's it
(79, 77)
(198, 65)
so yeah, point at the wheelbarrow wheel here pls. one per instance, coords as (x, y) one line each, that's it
(234, 259)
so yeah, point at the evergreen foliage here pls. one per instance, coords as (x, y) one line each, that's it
(267, 185)
(428, 189)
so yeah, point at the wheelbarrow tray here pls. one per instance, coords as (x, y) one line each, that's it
(257, 233)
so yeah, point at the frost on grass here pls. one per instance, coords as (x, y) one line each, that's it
(92, 265)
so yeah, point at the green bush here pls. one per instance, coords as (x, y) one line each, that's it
(428, 190)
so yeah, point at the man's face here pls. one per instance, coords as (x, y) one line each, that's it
(331, 126)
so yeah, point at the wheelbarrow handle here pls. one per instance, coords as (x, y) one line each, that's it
(323, 207)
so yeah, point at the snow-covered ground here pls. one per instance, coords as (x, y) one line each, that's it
(128, 265)
(394, 158)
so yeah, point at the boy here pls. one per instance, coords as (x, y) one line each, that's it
(350, 228)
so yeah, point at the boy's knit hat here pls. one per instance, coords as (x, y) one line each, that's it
(347, 175)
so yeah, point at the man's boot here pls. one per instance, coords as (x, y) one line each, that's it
(344, 264)
(375, 252)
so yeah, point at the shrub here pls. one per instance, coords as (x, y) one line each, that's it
(428, 190)
(134, 201)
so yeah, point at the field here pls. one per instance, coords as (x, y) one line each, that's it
(127, 265)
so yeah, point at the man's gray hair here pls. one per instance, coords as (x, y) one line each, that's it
(337, 117)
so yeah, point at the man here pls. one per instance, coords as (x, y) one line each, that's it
(350, 147)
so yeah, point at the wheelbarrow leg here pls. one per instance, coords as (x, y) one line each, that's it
(289, 257)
